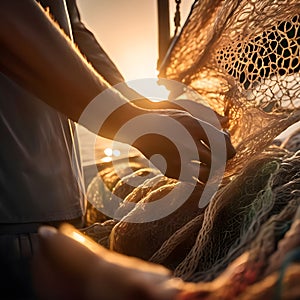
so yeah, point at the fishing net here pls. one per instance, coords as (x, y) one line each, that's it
(243, 58)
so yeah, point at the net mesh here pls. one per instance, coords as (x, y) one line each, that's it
(243, 58)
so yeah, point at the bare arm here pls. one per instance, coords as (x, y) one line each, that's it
(36, 54)
(90, 47)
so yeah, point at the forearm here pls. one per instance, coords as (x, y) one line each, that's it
(39, 57)
(90, 47)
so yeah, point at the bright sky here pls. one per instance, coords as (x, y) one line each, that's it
(127, 30)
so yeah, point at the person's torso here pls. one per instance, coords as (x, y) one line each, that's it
(40, 170)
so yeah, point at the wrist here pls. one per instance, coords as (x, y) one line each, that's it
(119, 116)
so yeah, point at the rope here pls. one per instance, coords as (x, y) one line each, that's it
(177, 17)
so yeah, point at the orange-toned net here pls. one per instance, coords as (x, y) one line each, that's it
(243, 59)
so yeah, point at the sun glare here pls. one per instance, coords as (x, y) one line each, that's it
(78, 237)
(150, 88)
(108, 152)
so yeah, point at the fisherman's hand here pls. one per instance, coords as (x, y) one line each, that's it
(183, 143)
(198, 110)
(203, 112)
(65, 269)
(173, 140)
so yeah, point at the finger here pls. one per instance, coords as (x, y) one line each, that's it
(81, 256)
(90, 277)
(178, 164)
(220, 140)
(195, 172)
(204, 172)
(202, 112)
(229, 147)
(204, 153)
(224, 121)
(59, 267)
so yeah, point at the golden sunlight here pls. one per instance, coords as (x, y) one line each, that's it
(128, 31)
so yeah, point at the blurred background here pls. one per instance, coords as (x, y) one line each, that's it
(128, 31)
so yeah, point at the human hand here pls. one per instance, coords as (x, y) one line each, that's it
(67, 269)
(196, 109)
(173, 140)
(183, 150)
(203, 112)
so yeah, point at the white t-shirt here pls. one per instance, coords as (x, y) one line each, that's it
(40, 170)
